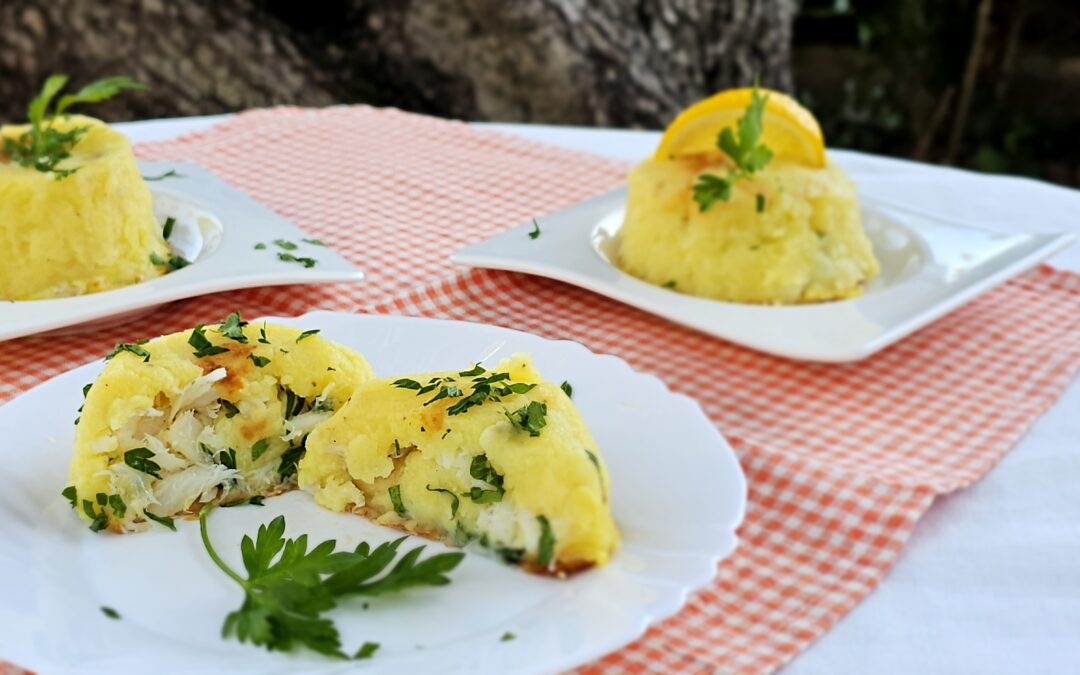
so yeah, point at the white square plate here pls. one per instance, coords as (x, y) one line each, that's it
(929, 267)
(217, 228)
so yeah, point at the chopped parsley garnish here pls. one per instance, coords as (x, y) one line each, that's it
(171, 173)
(262, 334)
(546, 550)
(99, 520)
(313, 242)
(259, 448)
(161, 520)
(259, 361)
(289, 257)
(174, 261)
(485, 387)
(599, 472)
(367, 650)
(134, 348)
(535, 232)
(167, 228)
(307, 334)
(257, 500)
(507, 636)
(230, 409)
(510, 556)
(567, 389)
(531, 417)
(760, 202)
(42, 146)
(454, 502)
(474, 371)
(260, 246)
(70, 495)
(141, 459)
(285, 244)
(233, 328)
(288, 588)
(227, 458)
(480, 469)
(744, 150)
(406, 383)
(289, 458)
(110, 612)
(395, 498)
(202, 345)
(670, 285)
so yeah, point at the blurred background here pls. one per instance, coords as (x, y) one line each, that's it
(991, 85)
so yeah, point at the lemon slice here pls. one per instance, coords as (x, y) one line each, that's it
(791, 131)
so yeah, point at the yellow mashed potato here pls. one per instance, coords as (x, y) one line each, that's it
(394, 455)
(90, 231)
(163, 430)
(805, 245)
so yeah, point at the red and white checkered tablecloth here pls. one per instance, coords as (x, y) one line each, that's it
(841, 460)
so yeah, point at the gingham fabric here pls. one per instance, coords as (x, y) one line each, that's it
(841, 460)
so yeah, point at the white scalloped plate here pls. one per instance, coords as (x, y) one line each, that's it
(929, 267)
(677, 494)
(217, 228)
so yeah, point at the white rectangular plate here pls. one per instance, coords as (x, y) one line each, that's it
(929, 267)
(217, 228)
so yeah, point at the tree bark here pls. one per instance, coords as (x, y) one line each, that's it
(591, 62)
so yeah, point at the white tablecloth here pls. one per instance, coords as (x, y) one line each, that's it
(990, 581)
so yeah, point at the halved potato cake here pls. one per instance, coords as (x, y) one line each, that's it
(500, 458)
(217, 414)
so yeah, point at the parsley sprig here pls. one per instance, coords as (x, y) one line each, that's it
(288, 588)
(745, 151)
(43, 147)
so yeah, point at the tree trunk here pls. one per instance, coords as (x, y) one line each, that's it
(592, 62)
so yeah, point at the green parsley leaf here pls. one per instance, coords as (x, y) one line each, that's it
(670, 285)
(531, 417)
(259, 448)
(289, 588)
(260, 246)
(313, 242)
(453, 499)
(760, 203)
(70, 495)
(285, 244)
(134, 348)
(140, 460)
(98, 91)
(171, 173)
(259, 361)
(546, 550)
(480, 469)
(202, 345)
(174, 262)
(161, 520)
(567, 389)
(233, 328)
(366, 651)
(395, 498)
(289, 459)
(507, 636)
(710, 189)
(227, 458)
(110, 612)
(289, 257)
(262, 334)
(535, 232)
(307, 334)
(230, 409)
(475, 370)
(596, 463)
(406, 383)
(167, 228)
